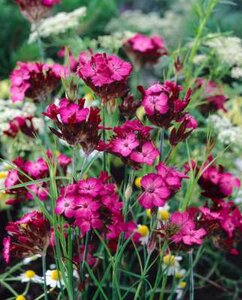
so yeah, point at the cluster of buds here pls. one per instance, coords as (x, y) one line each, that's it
(35, 10)
(106, 75)
(24, 172)
(160, 186)
(76, 124)
(128, 106)
(27, 236)
(35, 80)
(132, 143)
(145, 50)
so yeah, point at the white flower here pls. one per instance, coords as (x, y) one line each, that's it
(171, 264)
(144, 232)
(53, 279)
(30, 276)
(180, 289)
(28, 260)
(236, 72)
(162, 214)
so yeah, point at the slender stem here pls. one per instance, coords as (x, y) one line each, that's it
(7, 286)
(104, 137)
(40, 44)
(162, 136)
(74, 163)
(44, 275)
(191, 287)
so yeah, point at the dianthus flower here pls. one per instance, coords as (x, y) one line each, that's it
(162, 103)
(128, 106)
(35, 80)
(35, 10)
(31, 169)
(185, 231)
(21, 124)
(145, 50)
(212, 94)
(132, 143)
(215, 182)
(76, 124)
(91, 204)
(106, 75)
(159, 187)
(27, 236)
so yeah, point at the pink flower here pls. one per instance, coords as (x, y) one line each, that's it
(212, 94)
(162, 103)
(131, 142)
(35, 80)
(155, 191)
(38, 191)
(65, 205)
(11, 179)
(145, 50)
(105, 74)
(28, 236)
(186, 231)
(76, 124)
(23, 124)
(35, 10)
(90, 186)
(36, 169)
(147, 155)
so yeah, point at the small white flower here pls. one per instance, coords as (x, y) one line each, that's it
(53, 279)
(171, 264)
(30, 276)
(144, 232)
(180, 289)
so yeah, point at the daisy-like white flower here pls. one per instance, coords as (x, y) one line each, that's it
(163, 213)
(179, 274)
(53, 278)
(144, 232)
(180, 289)
(30, 276)
(171, 264)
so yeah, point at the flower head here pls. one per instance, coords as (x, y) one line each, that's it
(162, 103)
(105, 74)
(145, 50)
(21, 124)
(35, 10)
(30, 276)
(54, 279)
(35, 80)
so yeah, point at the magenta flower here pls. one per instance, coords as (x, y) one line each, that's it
(65, 205)
(21, 124)
(76, 124)
(105, 74)
(132, 143)
(162, 103)
(186, 230)
(145, 50)
(28, 236)
(35, 10)
(37, 190)
(155, 191)
(35, 80)
(212, 94)
(147, 155)
(36, 169)
(90, 186)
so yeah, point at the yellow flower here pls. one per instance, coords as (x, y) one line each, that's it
(3, 174)
(148, 213)
(182, 284)
(20, 297)
(163, 214)
(137, 182)
(29, 274)
(169, 260)
(143, 230)
(55, 275)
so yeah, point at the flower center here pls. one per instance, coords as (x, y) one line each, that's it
(29, 274)
(20, 297)
(169, 260)
(143, 230)
(164, 214)
(55, 275)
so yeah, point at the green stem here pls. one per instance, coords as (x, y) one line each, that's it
(161, 147)
(104, 137)
(44, 275)
(40, 44)
(191, 287)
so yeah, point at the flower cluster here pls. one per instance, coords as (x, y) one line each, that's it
(27, 236)
(132, 143)
(35, 80)
(24, 172)
(128, 106)
(35, 10)
(215, 182)
(93, 204)
(159, 187)
(105, 74)
(212, 94)
(77, 125)
(145, 50)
